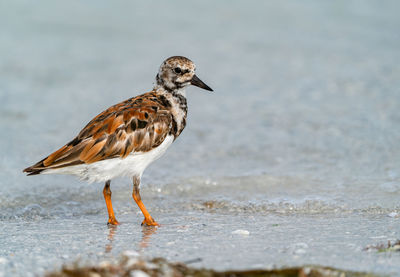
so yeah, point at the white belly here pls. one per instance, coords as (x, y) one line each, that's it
(101, 171)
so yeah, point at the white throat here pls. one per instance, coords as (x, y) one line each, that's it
(176, 92)
(181, 91)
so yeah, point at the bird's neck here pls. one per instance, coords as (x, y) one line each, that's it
(177, 105)
(175, 92)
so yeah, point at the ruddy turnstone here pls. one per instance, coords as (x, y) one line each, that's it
(124, 139)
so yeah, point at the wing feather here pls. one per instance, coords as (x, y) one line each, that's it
(136, 125)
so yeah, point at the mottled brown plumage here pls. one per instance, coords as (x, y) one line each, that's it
(138, 124)
(124, 139)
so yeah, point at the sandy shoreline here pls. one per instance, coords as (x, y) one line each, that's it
(131, 264)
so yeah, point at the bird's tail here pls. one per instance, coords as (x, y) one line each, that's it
(35, 169)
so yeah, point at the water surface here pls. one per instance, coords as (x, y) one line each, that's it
(299, 144)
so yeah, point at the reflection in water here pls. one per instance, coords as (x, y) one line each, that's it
(147, 232)
(111, 232)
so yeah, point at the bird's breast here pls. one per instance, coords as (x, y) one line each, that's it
(178, 110)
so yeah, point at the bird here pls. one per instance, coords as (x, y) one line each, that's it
(127, 137)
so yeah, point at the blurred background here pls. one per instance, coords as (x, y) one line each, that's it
(302, 127)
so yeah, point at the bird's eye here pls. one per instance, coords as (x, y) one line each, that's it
(177, 70)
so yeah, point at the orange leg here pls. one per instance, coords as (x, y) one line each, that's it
(107, 196)
(148, 220)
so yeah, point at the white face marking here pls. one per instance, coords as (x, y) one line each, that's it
(175, 73)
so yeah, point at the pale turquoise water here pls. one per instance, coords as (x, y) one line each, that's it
(299, 144)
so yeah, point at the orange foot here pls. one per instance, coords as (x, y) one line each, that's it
(150, 222)
(113, 221)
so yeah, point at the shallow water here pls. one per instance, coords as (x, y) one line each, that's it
(299, 145)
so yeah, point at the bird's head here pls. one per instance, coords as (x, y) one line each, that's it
(177, 73)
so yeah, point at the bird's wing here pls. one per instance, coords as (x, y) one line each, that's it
(138, 124)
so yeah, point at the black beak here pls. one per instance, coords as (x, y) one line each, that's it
(199, 83)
